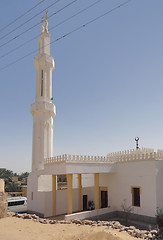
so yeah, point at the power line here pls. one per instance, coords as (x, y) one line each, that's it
(67, 19)
(37, 23)
(21, 16)
(28, 20)
(69, 33)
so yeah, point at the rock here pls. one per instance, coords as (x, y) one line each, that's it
(130, 231)
(88, 222)
(132, 227)
(138, 233)
(44, 221)
(94, 224)
(26, 216)
(99, 224)
(52, 221)
(154, 231)
(149, 236)
(76, 221)
(34, 216)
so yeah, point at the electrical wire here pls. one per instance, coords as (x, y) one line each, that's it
(29, 10)
(67, 19)
(28, 20)
(69, 33)
(37, 24)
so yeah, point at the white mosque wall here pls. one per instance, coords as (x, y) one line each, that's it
(75, 200)
(87, 180)
(48, 204)
(61, 202)
(32, 192)
(132, 174)
(159, 183)
(89, 192)
(45, 183)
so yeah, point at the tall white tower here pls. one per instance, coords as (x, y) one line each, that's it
(43, 110)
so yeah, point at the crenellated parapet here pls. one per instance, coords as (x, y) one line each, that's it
(76, 159)
(116, 157)
(135, 155)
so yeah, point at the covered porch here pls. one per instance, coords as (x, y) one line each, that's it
(83, 186)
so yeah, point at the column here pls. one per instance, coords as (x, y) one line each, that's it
(96, 187)
(54, 193)
(79, 193)
(69, 192)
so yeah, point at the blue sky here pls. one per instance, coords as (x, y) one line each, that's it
(107, 84)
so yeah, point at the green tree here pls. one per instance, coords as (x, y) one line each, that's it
(7, 175)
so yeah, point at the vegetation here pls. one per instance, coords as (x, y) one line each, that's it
(10, 185)
(127, 210)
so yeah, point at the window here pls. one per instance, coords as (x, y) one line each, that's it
(61, 182)
(42, 76)
(136, 196)
(16, 203)
(31, 195)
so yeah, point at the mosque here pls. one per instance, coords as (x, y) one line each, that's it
(126, 181)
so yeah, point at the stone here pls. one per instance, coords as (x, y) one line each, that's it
(44, 221)
(132, 227)
(26, 216)
(52, 221)
(149, 236)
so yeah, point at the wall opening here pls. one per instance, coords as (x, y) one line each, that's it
(61, 182)
(85, 202)
(42, 76)
(104, 199)
(136, 196)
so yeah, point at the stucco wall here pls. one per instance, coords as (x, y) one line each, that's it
(61, 202)
(90, 192)
(159, 182)
(45, 183)
(32, 190)
(87, 180)
(130, 174)
(48, 204)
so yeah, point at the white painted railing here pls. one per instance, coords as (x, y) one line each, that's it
(76, 159)
(122, 156)
(135, 155)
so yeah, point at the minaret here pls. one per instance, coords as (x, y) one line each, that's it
(43, 110)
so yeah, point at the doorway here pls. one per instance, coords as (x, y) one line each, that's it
(85, 200)
(104, 199)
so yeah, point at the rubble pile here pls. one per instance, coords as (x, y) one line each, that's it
(131, 230)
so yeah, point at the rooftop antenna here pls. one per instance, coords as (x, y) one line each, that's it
(137, 144)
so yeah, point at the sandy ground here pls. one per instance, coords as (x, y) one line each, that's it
(26, 229)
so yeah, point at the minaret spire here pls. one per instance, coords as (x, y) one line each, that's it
(43, 110)
(46, 22)
(42, 27)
